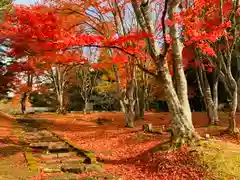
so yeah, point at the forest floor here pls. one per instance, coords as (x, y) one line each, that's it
(135, 155)
(130, 153)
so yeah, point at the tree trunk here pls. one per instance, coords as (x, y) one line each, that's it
(210, 105)
(211, 108)
(232, 86)
(23, 103)
(183, 131)
(232, 117)
(25, 94)
(129, 114)
(128, 104)
(142, 102)
(238, 93)
(215, 102)
(137, 104)
(86, 106)
(211, 102)
(179, 74)
(61, 108)
(147, 99)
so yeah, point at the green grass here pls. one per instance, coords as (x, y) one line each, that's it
(222, 159)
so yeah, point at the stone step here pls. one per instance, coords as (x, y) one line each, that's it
(66, 176)
(39, 145)
(57, 155)
(39, 133)
(38, 136)
(51, 169)
(47, 156)
(50, 145)
(31, 134)
(76, 159)
(67, 154)
(58, 146)
(50, 161)
(81, 168)
(45, 139)
(45, 133)
(74, 167)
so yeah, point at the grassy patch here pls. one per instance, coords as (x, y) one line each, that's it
(221, 159)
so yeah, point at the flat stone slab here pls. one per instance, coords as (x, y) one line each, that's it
(66, 176)
(44, 139)
(57, 155)
(51, 161)
(39, 145)
(81, 168)
(50, 145)
(51, 170)
(63, 160)
(39, 133)
(45, 132)
(58, 146)
(31, 134)
(67, 154)
(73, 160)
(78, 169)
(48, 156)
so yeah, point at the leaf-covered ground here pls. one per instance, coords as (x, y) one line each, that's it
(12, 161)
(131, 153)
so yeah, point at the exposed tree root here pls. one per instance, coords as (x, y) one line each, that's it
(184, 139)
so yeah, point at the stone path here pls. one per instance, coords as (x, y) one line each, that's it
(49, 153)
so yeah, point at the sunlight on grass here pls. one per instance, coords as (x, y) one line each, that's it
(222, 159)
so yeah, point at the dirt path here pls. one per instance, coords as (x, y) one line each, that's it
(12, 161)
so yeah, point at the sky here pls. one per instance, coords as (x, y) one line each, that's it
(24, 1)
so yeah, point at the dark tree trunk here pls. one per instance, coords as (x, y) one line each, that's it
(232, 118)
(142, 102)
(128, 105)
(23, 103)
(232, 87)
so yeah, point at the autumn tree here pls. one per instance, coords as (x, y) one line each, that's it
(182, 127)
(39, 46)
(24, 80)
(86, 81)
(60, 71)
(122, 65)
(213, 37)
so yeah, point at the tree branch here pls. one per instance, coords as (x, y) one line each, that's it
(146, 70)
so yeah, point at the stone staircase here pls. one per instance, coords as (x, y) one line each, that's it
(49, 153)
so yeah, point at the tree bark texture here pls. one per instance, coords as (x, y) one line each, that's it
(183, 131)
(210, 99)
